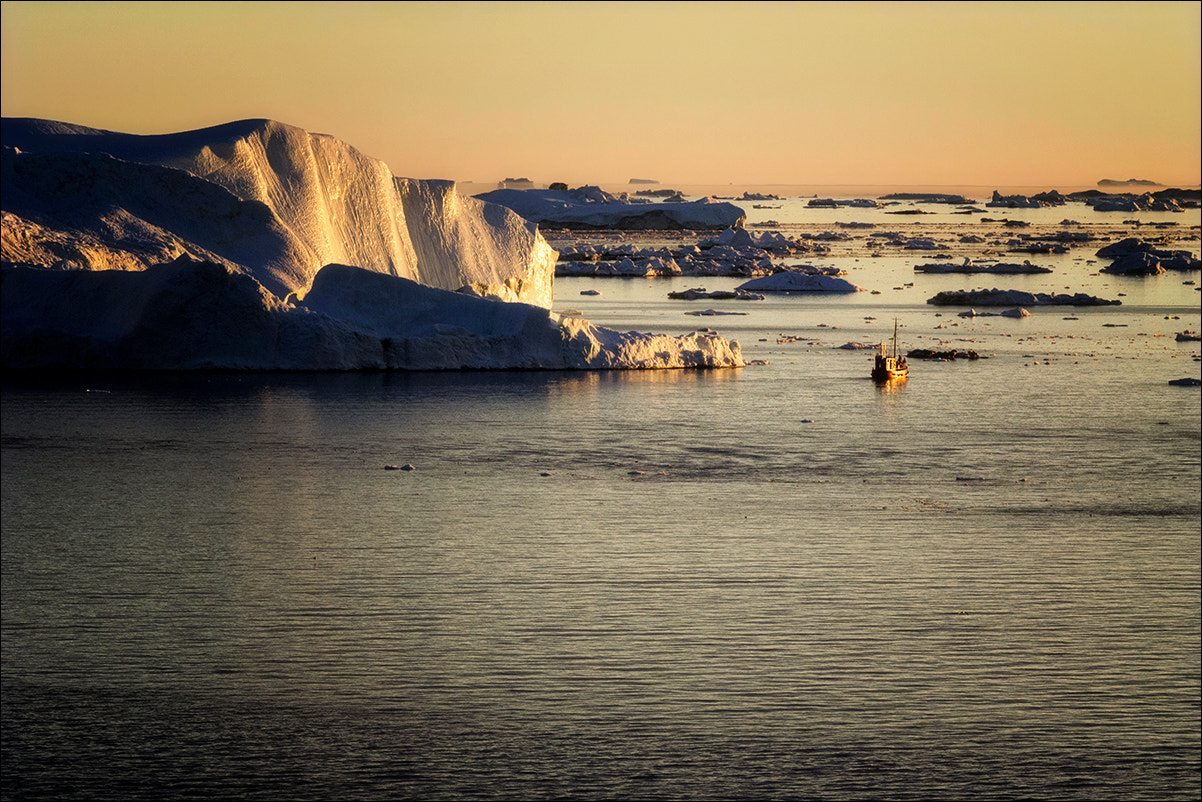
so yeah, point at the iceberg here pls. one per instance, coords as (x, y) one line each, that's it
(592, 207)
(259, 246)
(1136, 257)
(265, 198)
(797, 281)
(196, 315)
(1016, 298)
(970, 267)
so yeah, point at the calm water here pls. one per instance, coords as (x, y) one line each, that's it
(774, 582)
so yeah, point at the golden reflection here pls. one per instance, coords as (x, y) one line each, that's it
(587, 382)
(891, 386)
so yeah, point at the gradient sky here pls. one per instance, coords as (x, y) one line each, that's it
(1057, 95)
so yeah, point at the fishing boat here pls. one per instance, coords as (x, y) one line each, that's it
(888, 368)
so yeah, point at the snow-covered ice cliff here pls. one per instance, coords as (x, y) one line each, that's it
(270, 199)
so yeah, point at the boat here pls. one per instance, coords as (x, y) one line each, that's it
(889, 368)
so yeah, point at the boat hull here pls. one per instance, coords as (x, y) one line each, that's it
(889, 375)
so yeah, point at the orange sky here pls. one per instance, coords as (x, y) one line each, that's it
(1057, 95)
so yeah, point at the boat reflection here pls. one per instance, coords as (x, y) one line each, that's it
(891, 386)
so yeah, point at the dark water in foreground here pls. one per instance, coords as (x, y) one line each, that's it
(774, 582)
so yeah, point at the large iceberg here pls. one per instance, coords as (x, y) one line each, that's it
(259, 246)
(266, 198)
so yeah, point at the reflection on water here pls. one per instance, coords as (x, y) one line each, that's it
(592, 382)
(891, 386)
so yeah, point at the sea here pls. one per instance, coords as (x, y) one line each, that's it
(782, 581)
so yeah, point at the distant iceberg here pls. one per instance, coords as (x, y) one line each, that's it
(1130, 182)
(259, 246)
(798, 281)
(1016, 298)
(970, 267)
(592, 207)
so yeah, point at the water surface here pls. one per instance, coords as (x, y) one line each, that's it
(780, 581)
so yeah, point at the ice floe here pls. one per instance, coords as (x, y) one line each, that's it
(795, 281)
(1016, 298)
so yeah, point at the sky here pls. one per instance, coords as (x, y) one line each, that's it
(1042, 94)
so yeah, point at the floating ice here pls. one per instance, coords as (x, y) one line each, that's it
(791, 281)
